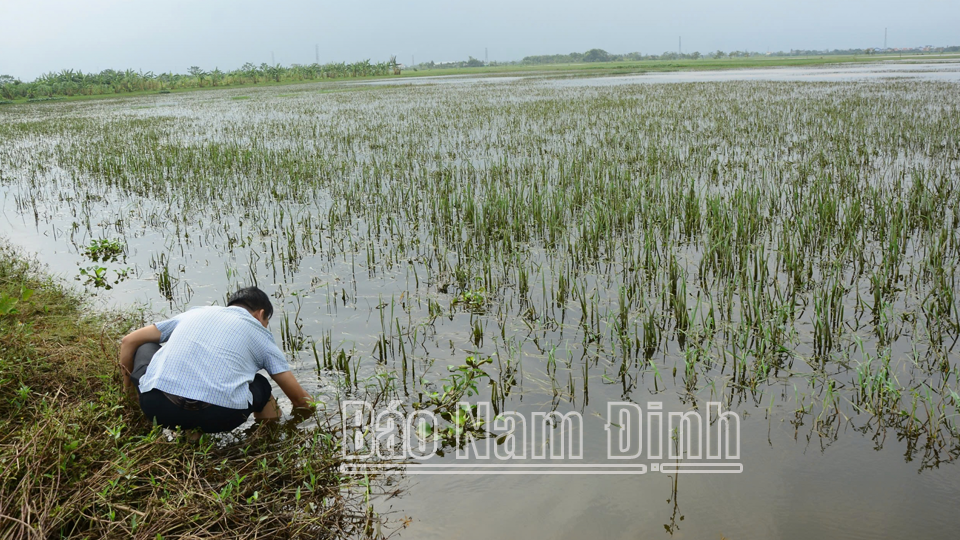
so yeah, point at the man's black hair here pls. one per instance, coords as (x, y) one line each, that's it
(253, 299)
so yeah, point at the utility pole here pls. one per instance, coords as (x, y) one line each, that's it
(318, 52)
(412, 63)
(884, 39)
(680, 45)
(272, 63)
(486, 56)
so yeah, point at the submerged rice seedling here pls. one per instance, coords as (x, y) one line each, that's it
(746, 237)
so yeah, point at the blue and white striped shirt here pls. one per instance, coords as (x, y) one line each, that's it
(212, 354)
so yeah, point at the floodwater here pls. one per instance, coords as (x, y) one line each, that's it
(948, 71)
(812, 468)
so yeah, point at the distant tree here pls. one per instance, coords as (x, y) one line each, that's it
(6, 86)
(271, 72)
(473, 62)
(198, 74)
(596, 55)
(718, 55)
(249, 70)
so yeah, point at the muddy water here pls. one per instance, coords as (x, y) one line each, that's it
(826, 471)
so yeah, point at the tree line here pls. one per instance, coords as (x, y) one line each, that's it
(600, 55)
(76, 83)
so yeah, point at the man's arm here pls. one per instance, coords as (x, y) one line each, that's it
(288, 383)
(128, 348)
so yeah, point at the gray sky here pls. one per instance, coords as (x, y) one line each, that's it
(38, 36)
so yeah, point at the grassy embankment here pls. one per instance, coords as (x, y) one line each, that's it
(77, 461)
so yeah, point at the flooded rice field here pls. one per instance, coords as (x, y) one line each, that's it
(788, 249)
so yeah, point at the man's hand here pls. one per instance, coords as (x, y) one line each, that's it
(128, 349)
(298, 396)
(298, 415)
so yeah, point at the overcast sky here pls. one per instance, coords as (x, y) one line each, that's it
(38, 36)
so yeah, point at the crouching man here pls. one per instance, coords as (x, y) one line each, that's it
(205, 376)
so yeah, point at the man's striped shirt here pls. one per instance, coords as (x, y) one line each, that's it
(211, 354)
